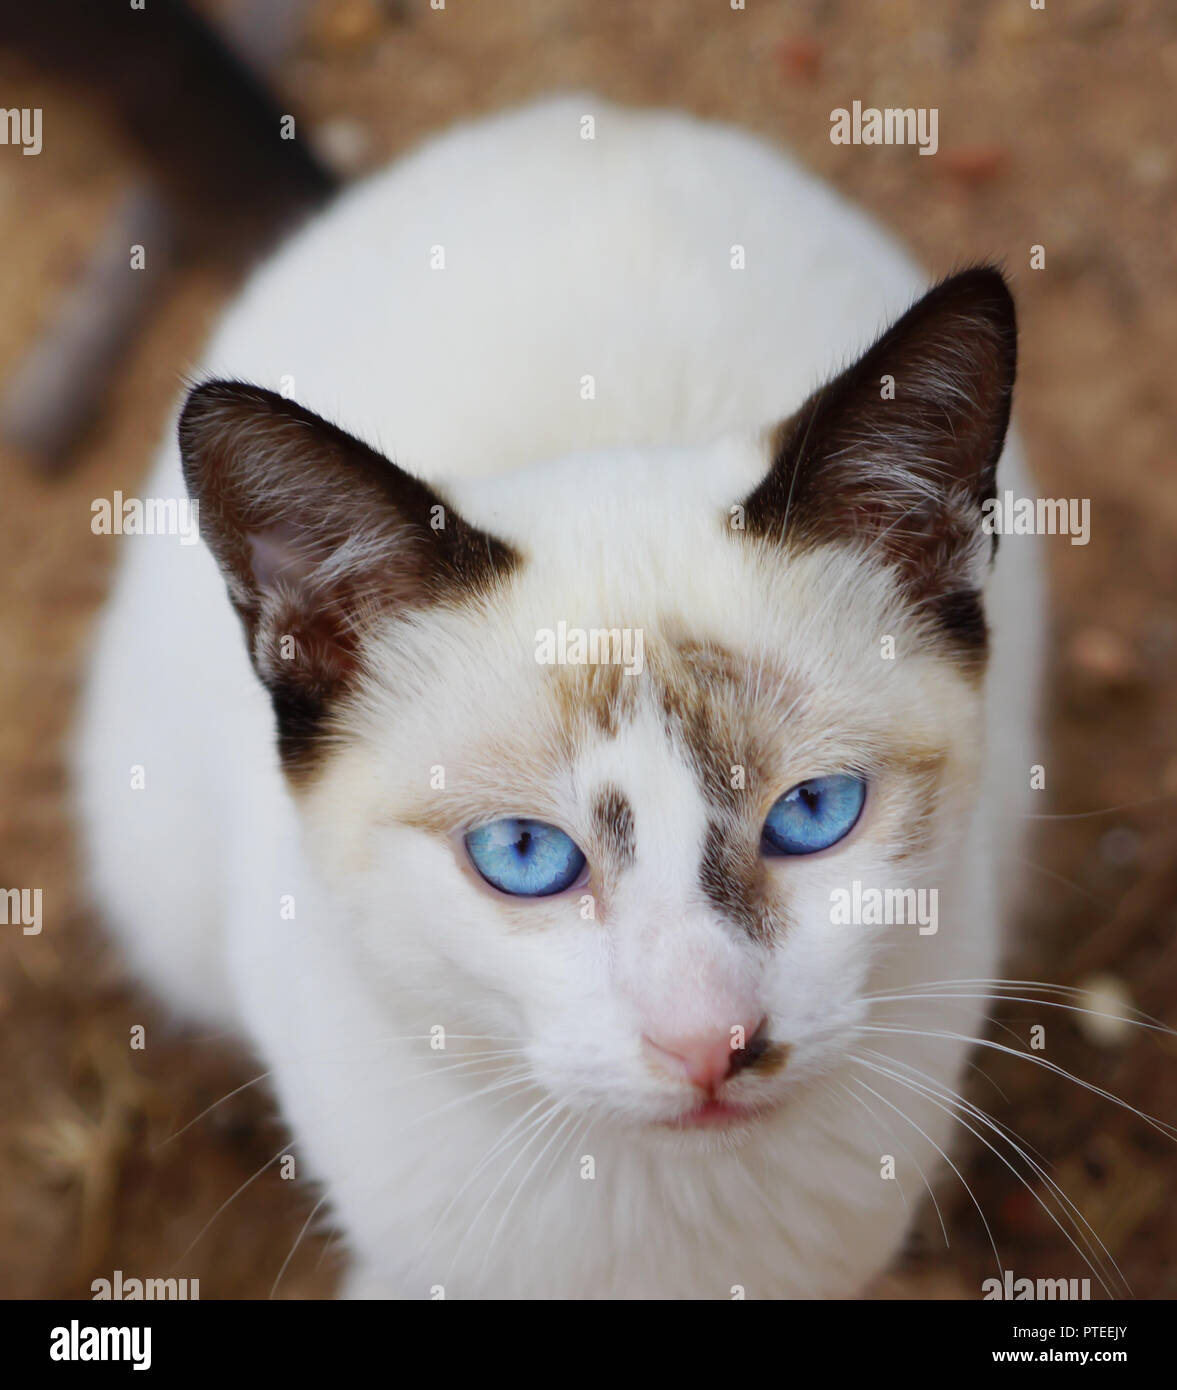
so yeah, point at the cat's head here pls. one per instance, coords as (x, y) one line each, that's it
(588, 752)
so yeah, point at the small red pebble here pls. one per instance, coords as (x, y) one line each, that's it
(800, 58)
(975, 163)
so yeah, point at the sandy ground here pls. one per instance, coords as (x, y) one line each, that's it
(1056, 129)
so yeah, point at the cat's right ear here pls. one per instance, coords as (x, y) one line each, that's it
(898, 454)
(318, 537)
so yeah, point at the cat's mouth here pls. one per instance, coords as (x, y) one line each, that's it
(716, 1114)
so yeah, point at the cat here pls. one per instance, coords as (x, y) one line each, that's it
(545, 955)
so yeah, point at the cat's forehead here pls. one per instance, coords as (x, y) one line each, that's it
(702, 694)
(737, 718)
(644, 637)
(728, 650)
(737, 685)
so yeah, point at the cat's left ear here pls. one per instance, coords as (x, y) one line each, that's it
(899, 452)
(320, 539)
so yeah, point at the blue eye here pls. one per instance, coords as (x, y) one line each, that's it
(524, 857)
(814, 815)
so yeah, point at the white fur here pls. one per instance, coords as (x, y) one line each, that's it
(563, 258)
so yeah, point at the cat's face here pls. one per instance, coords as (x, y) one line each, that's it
(593, 758)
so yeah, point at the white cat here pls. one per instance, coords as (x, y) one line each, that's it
(551, 961)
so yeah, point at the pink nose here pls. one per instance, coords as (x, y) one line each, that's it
(705, 1059)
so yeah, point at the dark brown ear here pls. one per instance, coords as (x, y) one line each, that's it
(900, 451)
(317, 536)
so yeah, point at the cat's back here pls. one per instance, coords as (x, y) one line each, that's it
(573, 275)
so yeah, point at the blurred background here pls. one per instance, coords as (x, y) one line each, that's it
(1056, 129)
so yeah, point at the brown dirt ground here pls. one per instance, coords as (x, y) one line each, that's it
(1056, 128)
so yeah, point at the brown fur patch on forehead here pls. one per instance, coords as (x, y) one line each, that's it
(707, 696)
(705, 693)
(734, 878)
(613, 828)
(598, 697)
